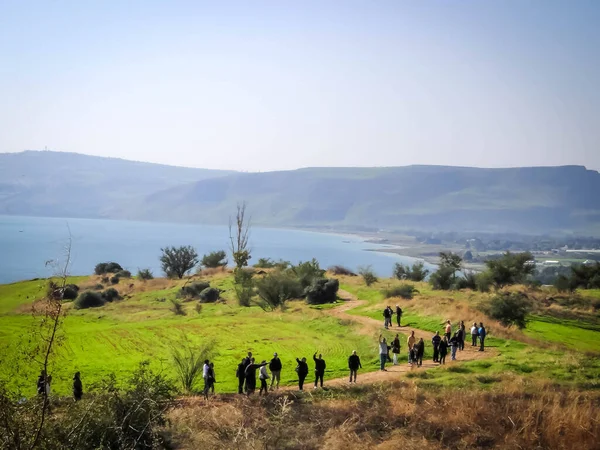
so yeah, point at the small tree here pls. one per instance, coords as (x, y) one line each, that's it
(369, 277)
(512, 268)
(509, 308)
(177, 261)
(214, 260)
(321, 291)
(418, 272)
(189, 359)
(277, 288)
(442, 279)
(308, 271)
(239, 234)
(145, 274)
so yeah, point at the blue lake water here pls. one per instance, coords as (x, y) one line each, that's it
(26, 243)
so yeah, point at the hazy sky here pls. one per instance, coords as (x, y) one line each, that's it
(255, 85)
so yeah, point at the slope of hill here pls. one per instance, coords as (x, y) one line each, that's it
(534, 200)
(57, 184)
(527, 200)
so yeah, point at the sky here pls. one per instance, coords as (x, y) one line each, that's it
(270, 85)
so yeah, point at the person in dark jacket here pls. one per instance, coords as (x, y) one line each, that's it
(354, 364)
(443, 350)
(319, 368)
(251, 376)
(435, 341)
(459, 338)
(463, 335)
(77, 387)
(41, 383)
(302, 371)
(420, 350)
(396, 349)
(398, 315)
(454, 345)
(247, 362)
(275, 368)
(241, 375)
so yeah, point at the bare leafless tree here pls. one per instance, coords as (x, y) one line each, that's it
(51, 310)
(239, 235)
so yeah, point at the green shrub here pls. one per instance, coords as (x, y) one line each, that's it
(509, 308)
(511, 268)
(70, 292)
(418, 272)
(110, 294)
(483, 281)
(194, 289)
(322, 290)
(98, 287)
(114, 279)
(198, 307)
(89, 299)
(209, 295)
(145, 274)
(177, 307)
(308, 271)
(276, 288)
(243, 286)
(405, 291)
(341, 270)
(369, 277)
(107, 267)
(123, 274)
(213, 260)
(268, 263)
(443, 278)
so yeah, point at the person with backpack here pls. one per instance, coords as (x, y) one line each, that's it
(319, 368)
(77, 387)
(435, 341)
(302, 371)
(454, 345)
(383, 351)
(396, 349)
(482, 334)
(275, 368)
(398, 315)
(419, 352)
(474, 334)
(263, 376)
(386, 317)
(443, 350)
(251, 375)
(411, 343)
(354, 364)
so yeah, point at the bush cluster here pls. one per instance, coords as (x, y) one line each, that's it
(417, 272)
(322, 290)
(145, 274)
(209, 295)
(107, 267)
(214, 260)
(341, 270)
(94, 299)
(193, 290)
(405, 291)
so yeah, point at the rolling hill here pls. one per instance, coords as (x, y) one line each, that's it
(528, 200)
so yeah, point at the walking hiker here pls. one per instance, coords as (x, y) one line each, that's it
(251, 376)
(435, 341)
(411, 343)
(419, 350)
(443, 350)
(77, 387)
(382, 353)
(354, 364)
(459, 338)
(454, 345)
(462, 329)
(482, 334)
(263, 377)
(386, 317)
(396, 349)
(302, 370)
(212, 378)
(275, 368)
(474, 334)
(319, 368)
(448, 330)
(206, 377)
(390, 315)
(398, 315)
(241, 375)
(247, 362)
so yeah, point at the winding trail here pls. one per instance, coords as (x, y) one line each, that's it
(372, 328)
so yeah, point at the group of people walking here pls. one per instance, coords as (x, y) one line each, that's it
(388, 313)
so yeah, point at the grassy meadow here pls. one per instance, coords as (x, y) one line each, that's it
(141, 326)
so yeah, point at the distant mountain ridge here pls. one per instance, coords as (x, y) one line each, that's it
(528, 200)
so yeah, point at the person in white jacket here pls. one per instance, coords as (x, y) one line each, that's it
(263, 376)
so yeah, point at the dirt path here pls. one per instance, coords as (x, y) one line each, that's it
(372, 327)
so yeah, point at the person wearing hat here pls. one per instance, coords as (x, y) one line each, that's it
(263, 376)
(275, 368)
